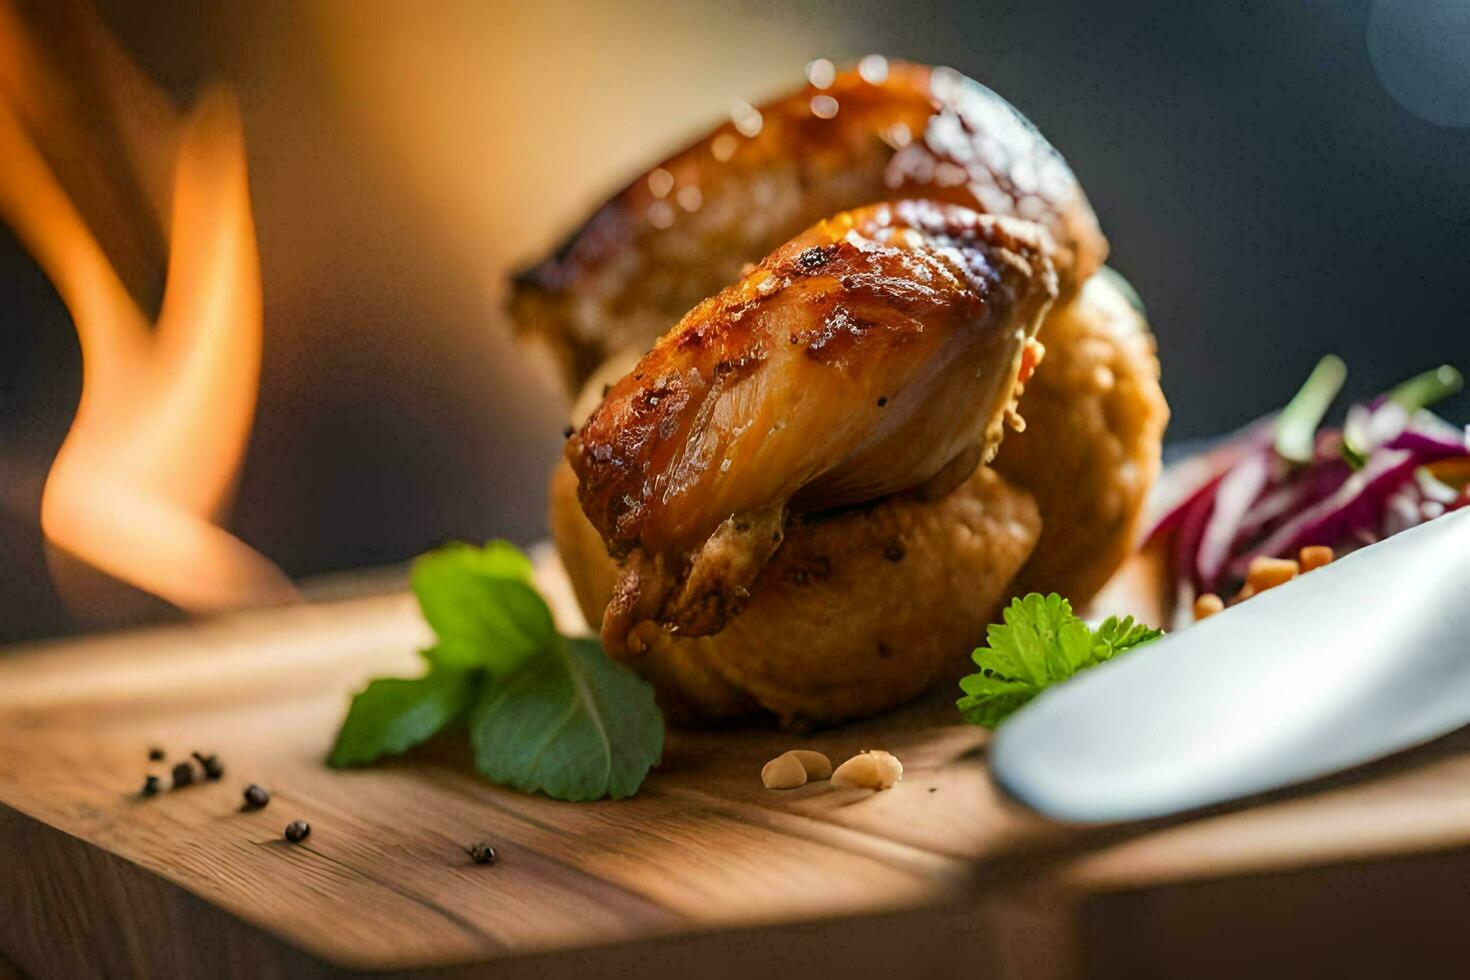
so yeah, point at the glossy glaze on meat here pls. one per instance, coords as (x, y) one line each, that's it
(876, 352)
(888, 131)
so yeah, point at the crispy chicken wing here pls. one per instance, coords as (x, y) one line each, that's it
(887, 131)
(878, 351)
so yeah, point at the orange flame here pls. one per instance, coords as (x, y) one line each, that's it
(150, 462)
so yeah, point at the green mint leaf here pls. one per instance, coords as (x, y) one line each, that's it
(497, 559)
(1041, 642)
(545, 713)
(482, 606)
(571, 723)
(393, 714)
(1115, 636)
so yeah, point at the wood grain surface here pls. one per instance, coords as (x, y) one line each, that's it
(705, 871)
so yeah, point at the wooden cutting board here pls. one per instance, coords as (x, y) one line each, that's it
(703, 873)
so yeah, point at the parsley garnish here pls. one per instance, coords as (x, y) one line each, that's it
(543, 712)
(1041, 643)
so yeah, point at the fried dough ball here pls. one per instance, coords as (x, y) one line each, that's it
(1095, 418)
(858, 611)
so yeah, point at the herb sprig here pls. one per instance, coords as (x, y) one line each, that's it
(543, 712)
(1041, 643)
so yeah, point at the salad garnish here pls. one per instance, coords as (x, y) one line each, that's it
(1287, 484)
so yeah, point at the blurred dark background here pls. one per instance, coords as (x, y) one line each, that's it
(1278, 181)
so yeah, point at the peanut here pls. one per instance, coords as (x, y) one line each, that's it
(1315, 556)
(784, 772)
(1267, 573)
(870, 770)
(1207, 605)
(817, 765)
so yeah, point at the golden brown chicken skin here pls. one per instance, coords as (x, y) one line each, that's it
(876, 352)
(889, 131)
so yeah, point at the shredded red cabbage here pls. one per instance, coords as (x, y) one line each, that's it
(1286, 483)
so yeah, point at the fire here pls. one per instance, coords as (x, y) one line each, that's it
(150, 462)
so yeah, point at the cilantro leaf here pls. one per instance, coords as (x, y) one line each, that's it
(482, 606)
(989, 699)
(393, 714)
(1116, 636)
(573, 724)
(1040, 643)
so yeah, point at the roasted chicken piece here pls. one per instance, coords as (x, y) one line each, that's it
(689, 226)
(886, 131)
(878, 351)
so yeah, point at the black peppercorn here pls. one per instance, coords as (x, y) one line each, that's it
(482, 853)
(256, 797)
(155, 754)
(151, 786)
(567, 432)
(183, 774)
(210, 764)
(297, 831)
